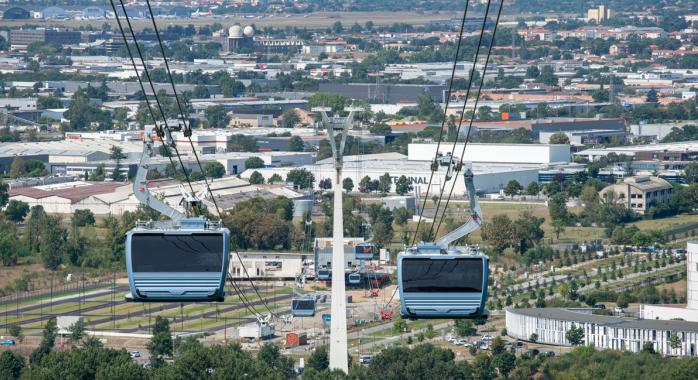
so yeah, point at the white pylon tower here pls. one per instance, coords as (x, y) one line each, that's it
(338, 126)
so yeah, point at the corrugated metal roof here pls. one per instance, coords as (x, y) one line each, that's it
(603, 320)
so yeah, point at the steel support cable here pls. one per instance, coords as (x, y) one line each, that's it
(460, 120)
(152, 87)
(152, 113)
(443, 121)
(248, 305)
(472, 117)
(198, 161)
(494, 32)
(158, 129)
(441, 131)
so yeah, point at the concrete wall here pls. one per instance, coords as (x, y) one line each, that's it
(692, 283)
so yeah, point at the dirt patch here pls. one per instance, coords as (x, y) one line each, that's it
(8, 275)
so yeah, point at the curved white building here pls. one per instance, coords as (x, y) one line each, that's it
(615, 333)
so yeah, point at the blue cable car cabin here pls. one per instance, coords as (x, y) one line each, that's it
(354, 278)
(303, 307)
(364, 251)
(178, 265)
(324, 274)
(436, 283)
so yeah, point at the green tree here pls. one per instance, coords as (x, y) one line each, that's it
(214, 169)
(82, 218)
(558, 228)
(559, 138)
(652, 96)
(289, 119)
(275, 178)
(217, 116)
(11, 365)
(256, 178)
(242, 143)
(384, 183)
(201, 92)
(403, 186)
(575, 335)
(17, 169)
(400, 325)
(512, 188)
(15, 330)
(464, 327)
(270, 355)
(160, 344)
(16, 210)
(77, 330)
(335, 101)
(533, 188)
(254, 163)
(674, 340)
(402, 215)
(4, 193)
(505, 362)
(53, 242)
(690, 172)
(301, 178)
(557, 207)
(47, 342)
(347, 184)
(499, 232)
(380, 129)
(319, 360)
(296, 144)
(533, 338)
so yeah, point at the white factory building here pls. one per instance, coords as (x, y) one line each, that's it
(617, 333)
(494, 153)
(494, 165)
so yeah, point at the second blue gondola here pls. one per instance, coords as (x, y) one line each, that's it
(438, 283)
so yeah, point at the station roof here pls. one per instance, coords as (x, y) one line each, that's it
(608, 321)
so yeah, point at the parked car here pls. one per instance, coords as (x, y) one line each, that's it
(457, 342)
(548, 354)
(7, 342)
(532, 352)
(466, 344)
(365, 359)
(599, 306)
(519, 343)
(488, 337)
(618, 310)
(135, 354)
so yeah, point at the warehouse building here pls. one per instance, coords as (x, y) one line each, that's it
(494, 153)
(489, 177)
(21, 38)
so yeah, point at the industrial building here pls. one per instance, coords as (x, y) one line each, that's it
(494, 153)
(681, 151)
(21, 38)
(489, 177)
(386, 93)
(659, 323)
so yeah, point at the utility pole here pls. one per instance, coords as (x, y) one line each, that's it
(338, 126)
